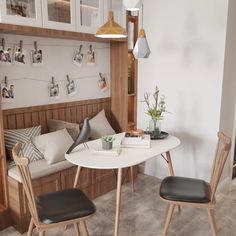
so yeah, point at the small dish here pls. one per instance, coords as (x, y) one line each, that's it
(161, 136)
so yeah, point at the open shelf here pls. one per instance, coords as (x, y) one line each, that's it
(52, 33)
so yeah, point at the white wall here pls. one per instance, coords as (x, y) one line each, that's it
(187, 40)
(228, 109)
(31, 83)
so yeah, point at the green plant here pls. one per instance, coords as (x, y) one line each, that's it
(107, 138)
(157, 109)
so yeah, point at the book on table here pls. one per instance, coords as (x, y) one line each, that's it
(115, 151)
(143, 141)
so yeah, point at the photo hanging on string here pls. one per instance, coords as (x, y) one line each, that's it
(78, 57)
(5, 56)
(102, 83)
(36, 57)
(7, 93)
(54, 91)
(71, 88)
(90, 56)
(19, 57)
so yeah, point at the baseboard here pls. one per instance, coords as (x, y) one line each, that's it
(5, 219)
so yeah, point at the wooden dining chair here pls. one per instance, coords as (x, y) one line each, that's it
(69, 206)
(181, 191)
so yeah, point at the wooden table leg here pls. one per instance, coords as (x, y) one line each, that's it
(171, 170)
(132, 178)
(77, 176)
(118, 195)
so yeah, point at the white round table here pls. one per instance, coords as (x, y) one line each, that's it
(129, 157)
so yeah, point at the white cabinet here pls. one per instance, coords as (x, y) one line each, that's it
(89, 14)
(84, 16)
(59, 14)
(21, 12)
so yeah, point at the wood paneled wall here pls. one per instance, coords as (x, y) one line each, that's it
(74, 112)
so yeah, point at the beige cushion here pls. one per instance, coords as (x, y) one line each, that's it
(72, 128)
(53, 145)
(100, 126)
(40, 169)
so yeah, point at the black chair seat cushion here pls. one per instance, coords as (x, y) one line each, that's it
(182, 189)
(63, 205)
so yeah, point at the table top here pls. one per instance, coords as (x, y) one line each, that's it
(128, 157)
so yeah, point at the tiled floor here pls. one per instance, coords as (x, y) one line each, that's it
(142, 214)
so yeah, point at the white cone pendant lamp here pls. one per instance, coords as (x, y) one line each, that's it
(132, 5)
(111, 29)
(141, 48)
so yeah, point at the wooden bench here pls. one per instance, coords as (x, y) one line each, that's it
(93, 182)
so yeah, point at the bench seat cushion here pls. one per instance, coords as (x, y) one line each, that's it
(40, 169)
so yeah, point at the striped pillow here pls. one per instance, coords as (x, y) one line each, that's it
(25, 137)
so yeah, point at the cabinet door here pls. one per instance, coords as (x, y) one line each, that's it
(89, 14)
(21, 12)
(59, 14)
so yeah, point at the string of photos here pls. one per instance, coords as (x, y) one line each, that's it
(78, 57)
(70, 85)
(19, 55)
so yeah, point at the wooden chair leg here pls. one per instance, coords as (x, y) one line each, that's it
(41, 233)
(169, 213)
(84, 228)
(31, 226)
(77, 229)
(211, 217)
(132, 178)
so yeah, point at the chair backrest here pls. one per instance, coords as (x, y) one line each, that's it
(222, 151)
(23, 165)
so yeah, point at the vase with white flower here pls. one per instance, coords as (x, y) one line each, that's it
(155, 111)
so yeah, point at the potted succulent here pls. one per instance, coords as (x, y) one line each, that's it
(107, 142)
(155, 111)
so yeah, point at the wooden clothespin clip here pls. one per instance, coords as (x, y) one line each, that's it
(53, 81)
(91, 48)
(21, 45)
(80, 49)
(3, 43)
(35, 46)
(5, 81)
(68, 78)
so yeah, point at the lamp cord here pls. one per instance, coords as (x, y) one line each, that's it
(142, 15)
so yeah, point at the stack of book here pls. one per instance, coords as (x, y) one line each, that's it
(143, 141)
(115, 151)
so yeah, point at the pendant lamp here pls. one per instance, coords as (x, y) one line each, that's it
(111, 29)
(132, 5)
(141, 48)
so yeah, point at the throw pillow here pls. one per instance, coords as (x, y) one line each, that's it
(72, 128)
(100, 126)
(24, 136)
(54, 145)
